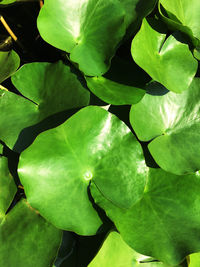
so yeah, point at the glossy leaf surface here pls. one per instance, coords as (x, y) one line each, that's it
(85, 28)
(39, 82)
(8, 188)
(165, 223)
(115, 252)
(88, 30)
(93, 145)
(114, 93)
(183, 15)
(119, 87)
(27, 239)
(167, 61)
(9, 63)
(172, 121)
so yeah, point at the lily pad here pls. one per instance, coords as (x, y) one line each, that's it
(173, 122)
(167, 61)
(51, 88)
(120, 87)
(115, 252)
(88, 30)
(8, 188)
(27, 238)
(92, 146)
(165, 223)
(84, 30)
(183, 16)
(9, 63)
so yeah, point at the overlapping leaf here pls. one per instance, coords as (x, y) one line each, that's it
(88, 30)
(165, 223)
(93, 145)
(8, 188)
(194, 260)
(173, 122)
(183, 16)
(9, 63)
(119, 87)
(26, 239)
(167, 61)
(115, 252)
(51, 88)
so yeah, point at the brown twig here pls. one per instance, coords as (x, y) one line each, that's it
(20, 187)
(41, 3)
(6, 26)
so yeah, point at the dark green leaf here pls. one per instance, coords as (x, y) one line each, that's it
(27, 239)
(8, 188)
(9, 63)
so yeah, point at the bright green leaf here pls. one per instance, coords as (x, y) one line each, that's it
(115, 252)
(90, 30)
(194, 260)
(114, 93)
(8, 188)
(165, 223)
(173, 122)
(93, 145)
(85, 30)
(183, 15)
(167, 61)
(54, 87)
(27, 239)
(9, 63)
(120, 87)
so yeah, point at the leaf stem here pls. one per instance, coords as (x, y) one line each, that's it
(3, 88)
(6, 26)
(41, 3)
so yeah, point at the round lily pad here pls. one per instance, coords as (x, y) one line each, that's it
(92, 146)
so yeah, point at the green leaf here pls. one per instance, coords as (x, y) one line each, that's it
(54, 87)
(9, 63)
(85, 30)
(136, 10)
(114, 93)
(27, 239)
(8, 188)
(172, 121)
(167, 61)
(165, 223)
(93, 145)
(184, 16)
(115, 252)
(194, 260)
(89, 30)
(119, 87)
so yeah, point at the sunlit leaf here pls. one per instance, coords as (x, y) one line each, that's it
(165, 223)
(172, 121)
(167, 61)
(93, 145)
